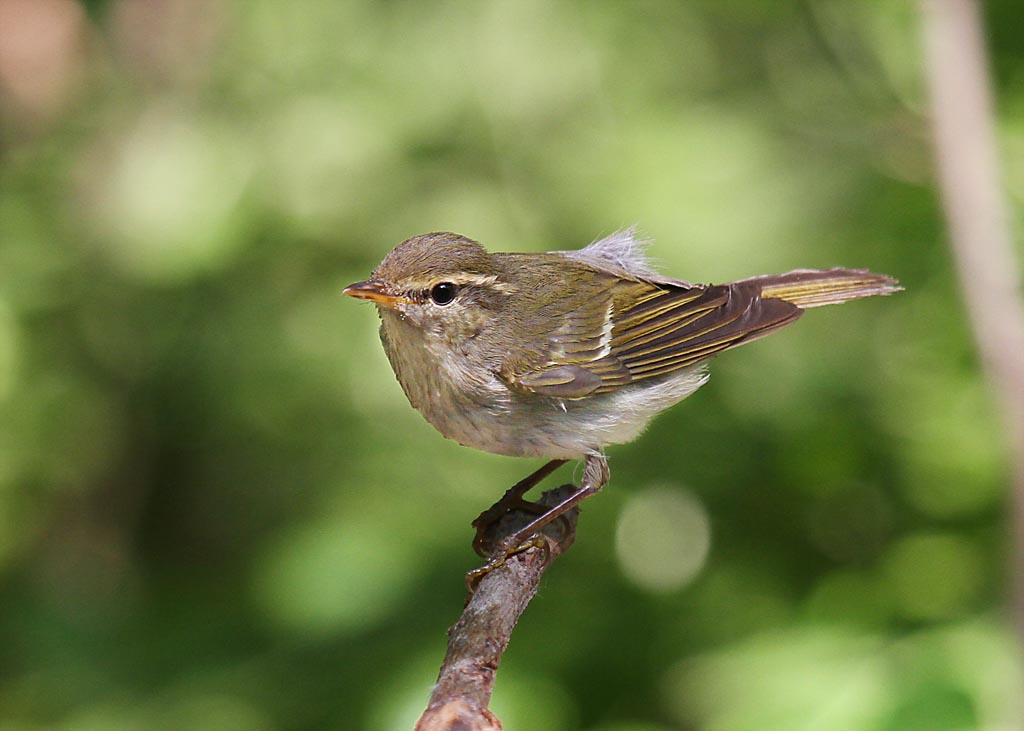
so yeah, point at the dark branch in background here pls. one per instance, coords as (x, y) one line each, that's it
(968, 166)
(476, 643)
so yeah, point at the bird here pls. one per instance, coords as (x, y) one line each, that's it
(558, 355)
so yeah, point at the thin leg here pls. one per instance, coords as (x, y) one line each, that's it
(595, 476)
(513, 500)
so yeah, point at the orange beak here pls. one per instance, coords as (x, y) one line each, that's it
(375, 292)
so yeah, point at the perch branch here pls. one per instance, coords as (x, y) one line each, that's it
(460, 699)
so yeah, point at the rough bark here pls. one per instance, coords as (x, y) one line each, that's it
(462, 694)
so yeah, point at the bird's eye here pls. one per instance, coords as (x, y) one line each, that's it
(443, 293)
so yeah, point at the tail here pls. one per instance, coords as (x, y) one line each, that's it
(813, 288)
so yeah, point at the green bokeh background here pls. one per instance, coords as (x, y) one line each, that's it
(217, 509)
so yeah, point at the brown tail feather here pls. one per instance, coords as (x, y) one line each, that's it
(813, 288)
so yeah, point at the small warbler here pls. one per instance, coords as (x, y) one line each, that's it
(560, 354)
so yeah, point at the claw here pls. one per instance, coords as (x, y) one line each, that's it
(489, 519)
(500, 557)
(510, 502)
(559, 505)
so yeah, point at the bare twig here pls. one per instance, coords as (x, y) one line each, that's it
(460, 699)
(965, 144)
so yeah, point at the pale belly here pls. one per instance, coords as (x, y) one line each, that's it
(505, 422)
(476, 408)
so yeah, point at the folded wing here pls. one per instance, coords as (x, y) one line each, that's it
(630, 331)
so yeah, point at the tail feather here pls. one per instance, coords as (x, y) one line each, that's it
(813, 288)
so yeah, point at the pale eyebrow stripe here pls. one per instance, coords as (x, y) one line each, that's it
(458, 279)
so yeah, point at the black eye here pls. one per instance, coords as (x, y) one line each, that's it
(443, 293)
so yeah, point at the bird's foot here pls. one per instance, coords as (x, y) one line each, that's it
(486, 523)
(512, 501)
(520, 528)
(505, 550)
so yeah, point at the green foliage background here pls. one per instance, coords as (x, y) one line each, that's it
(217, 510)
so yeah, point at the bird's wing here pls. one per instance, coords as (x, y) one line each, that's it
(634, 330)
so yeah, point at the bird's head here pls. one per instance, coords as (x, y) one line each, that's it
(443, 283)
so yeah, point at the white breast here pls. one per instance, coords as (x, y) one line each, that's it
(473, 406)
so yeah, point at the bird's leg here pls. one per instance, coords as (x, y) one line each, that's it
(595, 476)
(512, 500)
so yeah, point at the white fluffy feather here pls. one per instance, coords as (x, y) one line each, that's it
(621, 253)
(624, 255)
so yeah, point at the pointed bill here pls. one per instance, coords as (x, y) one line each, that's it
(374, 291)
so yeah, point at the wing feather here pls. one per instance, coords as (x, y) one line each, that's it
(629, 331)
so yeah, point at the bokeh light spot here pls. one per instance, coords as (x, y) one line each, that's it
(933, 576)
(336, 575)
(528, 699)
(663, 538)
(810, 678)
(849, 597)
(319, 148)
(168, 210)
